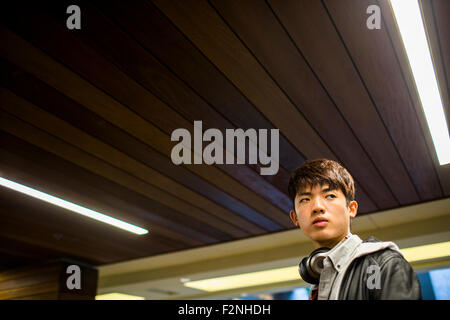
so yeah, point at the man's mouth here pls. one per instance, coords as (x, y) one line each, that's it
(320, 222)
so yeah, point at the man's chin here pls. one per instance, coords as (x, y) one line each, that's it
(322, 236)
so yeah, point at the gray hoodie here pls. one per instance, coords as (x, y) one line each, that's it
(338, 260)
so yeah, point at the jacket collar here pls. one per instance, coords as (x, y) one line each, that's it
(343, 251)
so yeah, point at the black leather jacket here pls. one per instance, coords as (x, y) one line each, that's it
(397, 278)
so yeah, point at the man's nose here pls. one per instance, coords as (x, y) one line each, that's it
(318, 206)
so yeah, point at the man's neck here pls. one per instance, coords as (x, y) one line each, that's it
(330, 243)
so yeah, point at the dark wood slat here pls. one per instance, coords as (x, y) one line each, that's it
(292, 72)
(11, 280)
(48, 290)
(344, 89)
(141, 216)
(47, 281)
(440, 10)
(24, 110)
(9, 261)
(76, 88)
(29, 88)
(19, 128)
(32, 114)
(43, 296)
(137, 63)
(373, 56)
(74, 185)
(203, 26)
(436, 18)
(155, 33)
(58, 229)
(234, 60)
(162, 116)
(22, 230)
(19, 254)
(443, 172)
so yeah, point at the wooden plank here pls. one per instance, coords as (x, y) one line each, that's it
(64, 80)
(22, 170)
(443, 172)
(292, 72)
(47, 281)
(374, 58)
(313, 34)
(169, 228)
(32, 114)
(48, 289)
(29, 88)
(41, 296)
(13, 280)
(234, 60)
(159, 37)
(162, 116)
(66, 230)
(195, 223)
(436, 17)
(140, 65)
(26, 254)
(146, 216)
(22, 230)
(203, 26)
(437, 27)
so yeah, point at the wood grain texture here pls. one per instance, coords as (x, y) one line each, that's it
(87, 115)
(47, 281)
(352, 104)
(154, 32)
(382, 76)
(97, 101)
(443, 172)
(156, 110)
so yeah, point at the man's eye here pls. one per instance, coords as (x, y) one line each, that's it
(303, 200)
(331, 195)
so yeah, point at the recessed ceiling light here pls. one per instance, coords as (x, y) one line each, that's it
(71, 206)
(412, 31)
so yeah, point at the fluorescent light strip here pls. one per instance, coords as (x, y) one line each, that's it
(245, 280)
(71, 206)
(117, 296)
(427, 252)
(410, 24)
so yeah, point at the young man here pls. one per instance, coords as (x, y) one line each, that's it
(343, 266)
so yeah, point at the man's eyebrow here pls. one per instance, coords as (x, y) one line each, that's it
(328, 189)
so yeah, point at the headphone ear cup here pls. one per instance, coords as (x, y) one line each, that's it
(304, 274)
(310, 267)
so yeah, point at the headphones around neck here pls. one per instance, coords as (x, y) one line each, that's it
(310, 267)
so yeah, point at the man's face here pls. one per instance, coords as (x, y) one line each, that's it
(323, 214)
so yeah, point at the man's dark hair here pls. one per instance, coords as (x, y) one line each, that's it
(321, 172)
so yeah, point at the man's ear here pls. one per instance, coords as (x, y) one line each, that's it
(293, 217)
(353, 208)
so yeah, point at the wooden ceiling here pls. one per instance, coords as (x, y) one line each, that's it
(86, 115)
